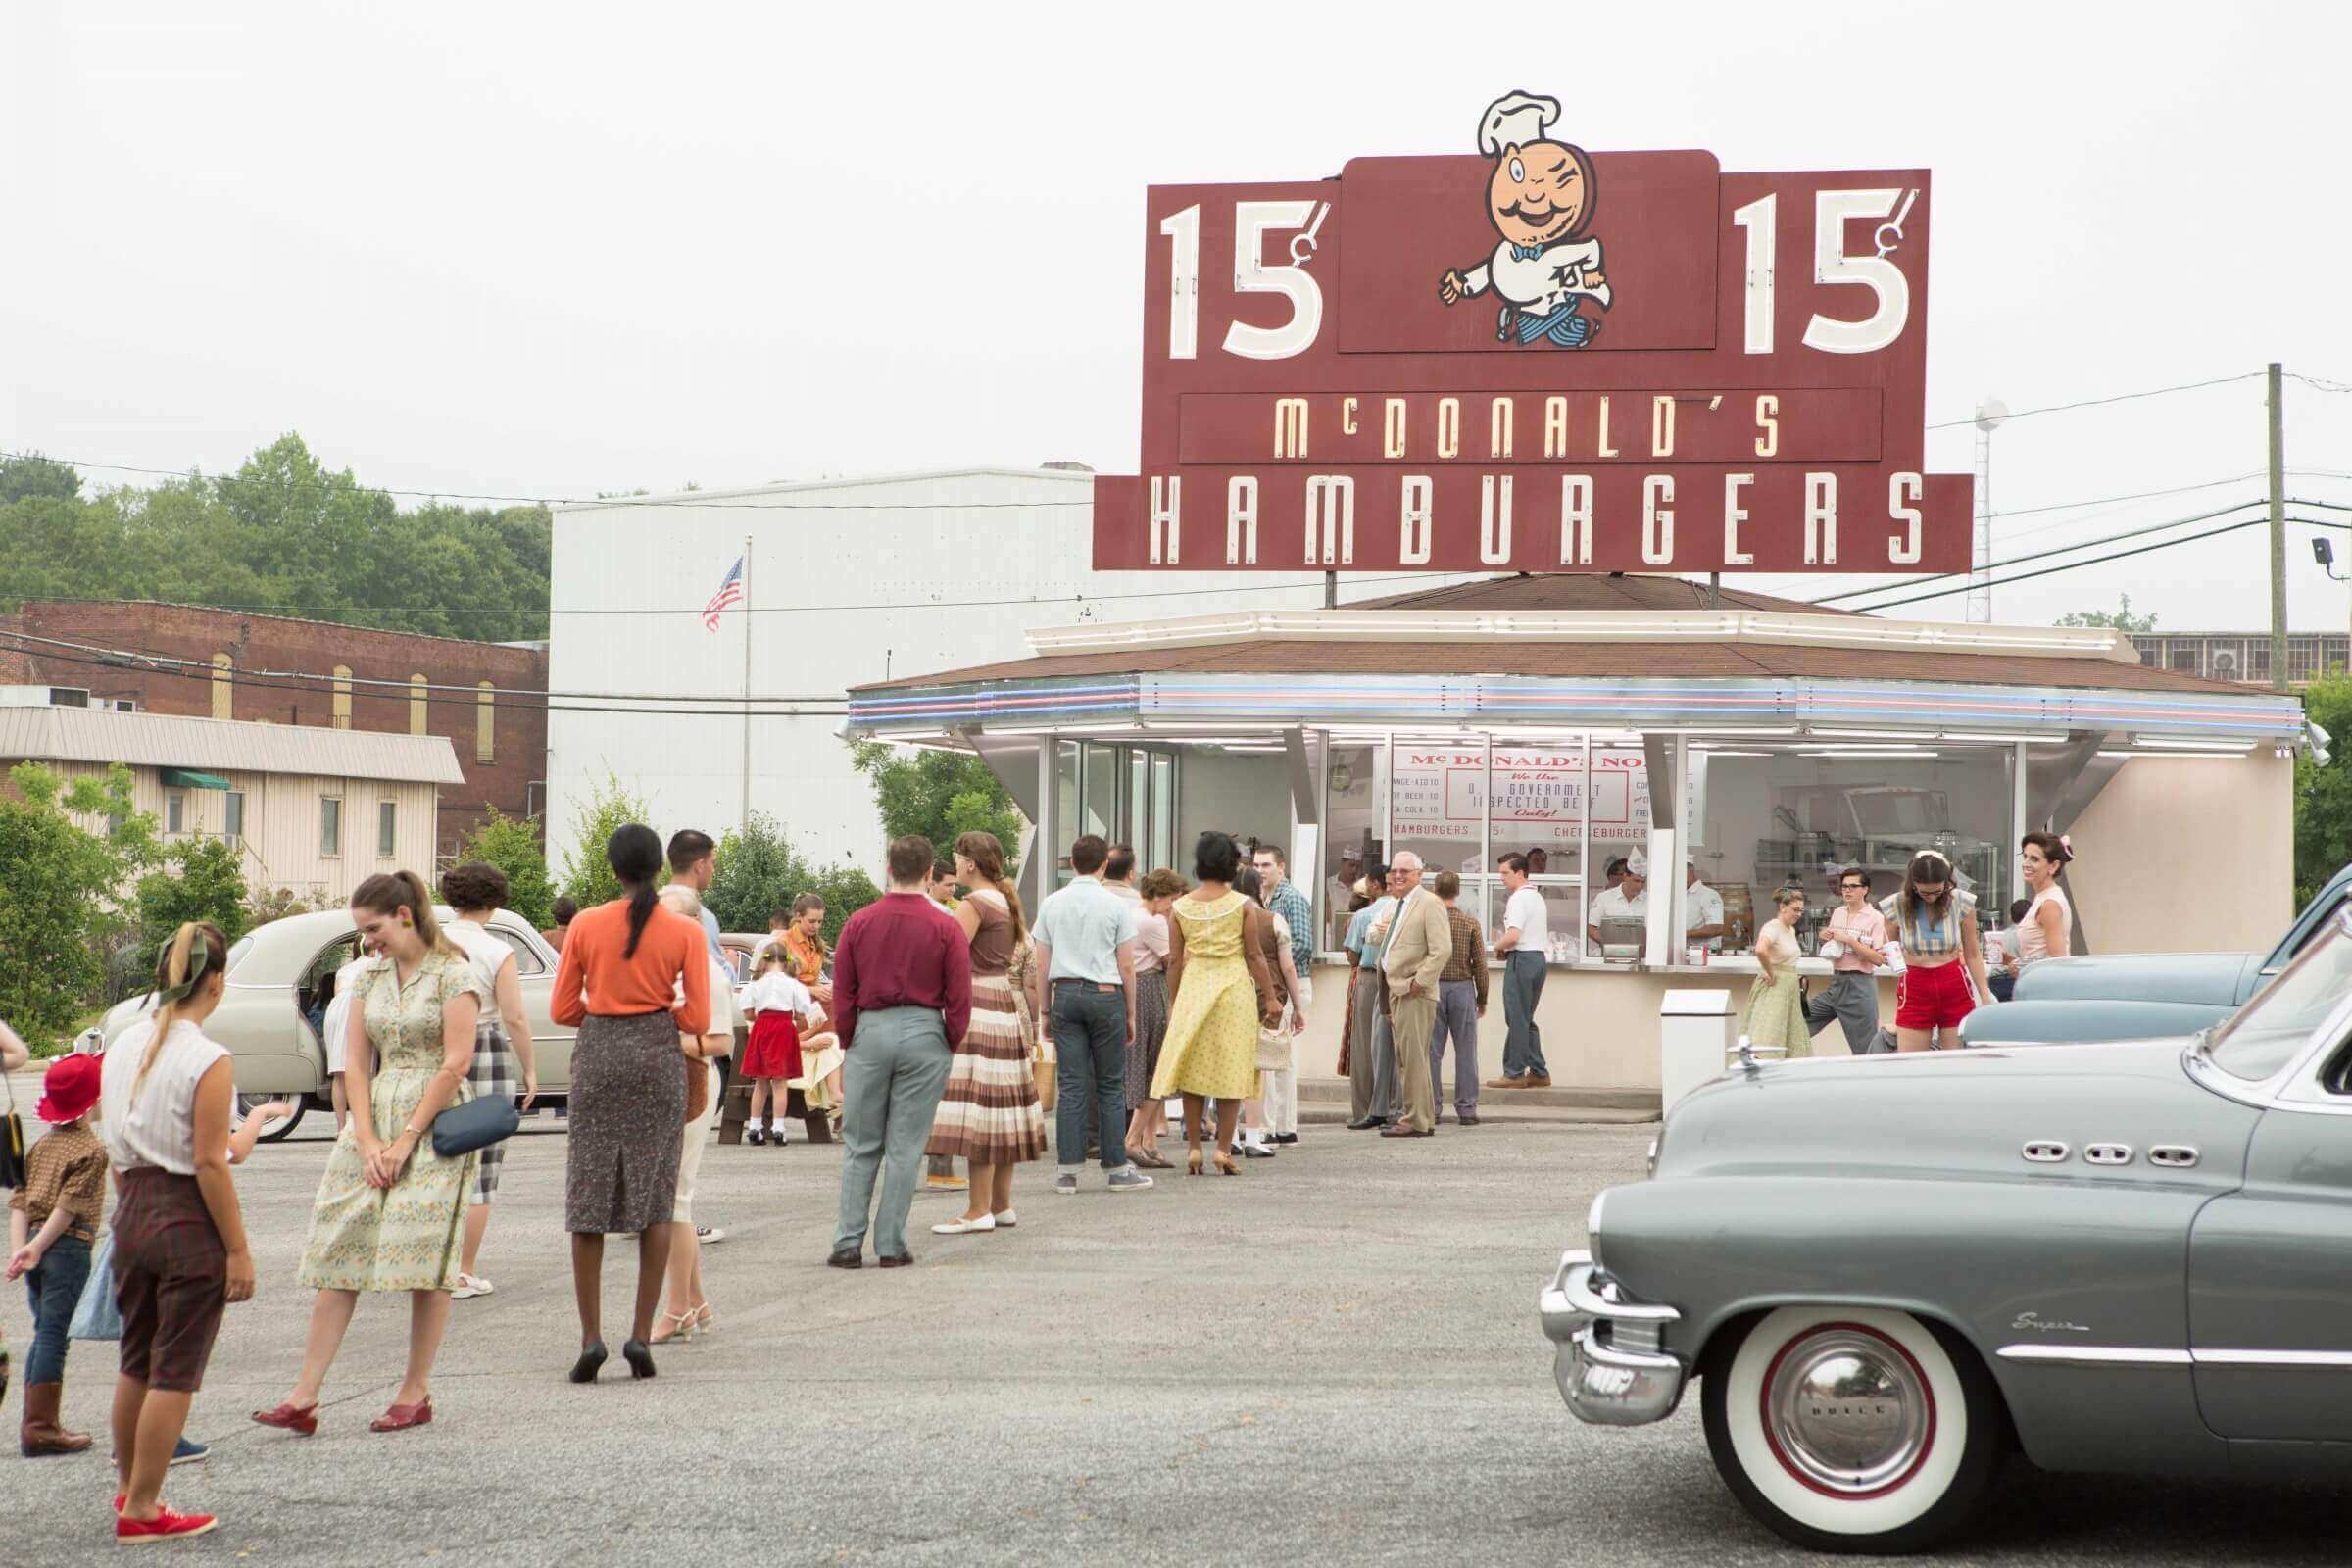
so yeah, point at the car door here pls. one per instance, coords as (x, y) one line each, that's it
(2270, 1269)
(535, 970)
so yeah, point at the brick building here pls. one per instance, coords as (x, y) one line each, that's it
(488, 699)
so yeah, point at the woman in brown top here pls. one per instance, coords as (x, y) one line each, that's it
(989, 1112)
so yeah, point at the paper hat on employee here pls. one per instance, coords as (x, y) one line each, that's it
(1636, 864)
(1514, 120)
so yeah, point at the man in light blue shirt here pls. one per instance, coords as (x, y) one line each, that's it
(1368, 939)
(1082, 977)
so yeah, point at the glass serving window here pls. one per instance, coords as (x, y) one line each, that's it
(1354, 834)
(1098, 801)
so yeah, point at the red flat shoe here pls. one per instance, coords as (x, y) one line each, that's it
(302, 1422)
(401, 1417)
(165, 1526)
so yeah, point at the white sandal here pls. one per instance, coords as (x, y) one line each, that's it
(1007, 1219)
(965, 1227)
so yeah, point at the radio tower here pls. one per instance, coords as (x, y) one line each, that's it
(1989, 415)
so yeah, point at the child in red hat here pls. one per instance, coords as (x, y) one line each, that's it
(52, 1225)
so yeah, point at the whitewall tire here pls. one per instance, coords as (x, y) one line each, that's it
(1852, 1429)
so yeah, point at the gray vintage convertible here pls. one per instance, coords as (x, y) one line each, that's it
(1886, 1270)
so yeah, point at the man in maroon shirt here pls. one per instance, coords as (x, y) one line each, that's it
(902, 999)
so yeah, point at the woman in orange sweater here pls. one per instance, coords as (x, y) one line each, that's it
(632, 979)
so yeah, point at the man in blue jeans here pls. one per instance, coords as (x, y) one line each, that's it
(1083, 972)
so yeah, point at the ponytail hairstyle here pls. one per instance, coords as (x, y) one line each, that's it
(390, 892)
(634, 851)
(987, 856)
(196, 951)
(801, 905)
(1926, 866)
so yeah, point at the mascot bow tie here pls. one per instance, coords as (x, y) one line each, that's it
(1526, 253)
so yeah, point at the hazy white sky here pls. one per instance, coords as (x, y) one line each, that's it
(551, 250)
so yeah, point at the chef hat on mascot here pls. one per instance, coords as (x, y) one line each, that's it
(1514, 120)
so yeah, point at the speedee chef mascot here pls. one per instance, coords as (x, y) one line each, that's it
(1540, 200)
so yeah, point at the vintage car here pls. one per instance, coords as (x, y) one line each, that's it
(274, 977)
(1884, 1270)
(2130, 996)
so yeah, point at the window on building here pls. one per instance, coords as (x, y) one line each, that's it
(416, 705)
(2184, 654)
(2302, 658)
(387, 829)
(175, 810)
(224, 689)
(342, 697)
(485, 712)
(330, 826)
(232, 816)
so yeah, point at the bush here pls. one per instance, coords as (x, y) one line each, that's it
(759, 871)
(511, 844)
(203, 880)
(939, 795)
(587, 879)
(274, 904)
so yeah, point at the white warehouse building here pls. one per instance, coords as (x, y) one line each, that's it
(848, 581)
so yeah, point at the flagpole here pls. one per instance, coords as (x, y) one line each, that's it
(746, 682)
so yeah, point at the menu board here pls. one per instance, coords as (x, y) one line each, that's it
(1440, 792)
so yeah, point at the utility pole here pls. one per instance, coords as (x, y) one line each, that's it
(2277, 530)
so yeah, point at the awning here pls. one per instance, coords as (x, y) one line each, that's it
(180, 778)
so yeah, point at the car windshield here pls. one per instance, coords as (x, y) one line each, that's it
(2267, 1032)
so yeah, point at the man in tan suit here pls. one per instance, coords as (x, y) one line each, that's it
(1420, 944)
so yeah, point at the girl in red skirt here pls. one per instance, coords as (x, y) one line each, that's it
(777, 1005)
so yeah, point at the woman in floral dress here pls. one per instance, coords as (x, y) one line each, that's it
(390, 1211)
(1219, 994)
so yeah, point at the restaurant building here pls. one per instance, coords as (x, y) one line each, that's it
(1586, 716)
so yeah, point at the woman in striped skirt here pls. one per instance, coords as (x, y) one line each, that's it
(989, 1114)
(503, 1065)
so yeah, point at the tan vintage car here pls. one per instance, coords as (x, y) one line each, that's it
(267, 1016)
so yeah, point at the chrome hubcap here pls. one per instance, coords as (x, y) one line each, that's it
(1848, 1412)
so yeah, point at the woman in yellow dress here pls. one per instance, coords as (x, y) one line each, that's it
(1219, 995)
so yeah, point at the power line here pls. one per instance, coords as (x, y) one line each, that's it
(2055, 550)
(2142, 549)
(838, 705)
(2120, 396)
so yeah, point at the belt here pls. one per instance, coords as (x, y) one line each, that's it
(1089, 984)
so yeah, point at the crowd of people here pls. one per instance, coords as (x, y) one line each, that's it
(945, 1025)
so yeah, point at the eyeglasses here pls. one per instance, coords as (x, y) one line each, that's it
(1853, 887)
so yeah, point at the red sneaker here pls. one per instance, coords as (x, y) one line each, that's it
(165, 1526)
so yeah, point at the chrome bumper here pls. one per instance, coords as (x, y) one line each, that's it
(1603, 1381)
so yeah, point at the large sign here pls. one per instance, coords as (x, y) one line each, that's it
(1539, 359)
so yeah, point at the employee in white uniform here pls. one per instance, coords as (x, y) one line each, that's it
(1525, 943)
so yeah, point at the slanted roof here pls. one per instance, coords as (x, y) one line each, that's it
(217, 745)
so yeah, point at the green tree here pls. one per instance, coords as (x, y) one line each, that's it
(939, 795)
(202, 879)
(588, 879)
(2120, 620)
(35, 475)
(758, 872)
(511, 844)
(59, 885)
(2324, 795)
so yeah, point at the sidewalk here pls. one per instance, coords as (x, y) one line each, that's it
(1325, 1101)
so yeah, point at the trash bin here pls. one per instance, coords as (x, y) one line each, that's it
(1694, 1032)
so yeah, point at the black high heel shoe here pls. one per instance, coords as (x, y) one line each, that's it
(640, 1359)
(584, 1370)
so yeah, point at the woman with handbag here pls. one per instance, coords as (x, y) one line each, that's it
(179, 1255)
(633, 978)
(504, 1064)
(392, 1203)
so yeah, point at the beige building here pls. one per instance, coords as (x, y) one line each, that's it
(312, 811)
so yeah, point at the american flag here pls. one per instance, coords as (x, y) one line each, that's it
(730, 592)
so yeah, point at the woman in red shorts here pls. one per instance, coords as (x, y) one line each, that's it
(1935, 922)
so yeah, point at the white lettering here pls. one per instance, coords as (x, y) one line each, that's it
(1657, 519)
(1903, 489)
(1768, 424)
(1450, 427)
(1347, 415)
(1241, 520)
(1290, 427)
(1555, 427)
(1392, 429)
(1494, 524)
(1734, 515)
(1821, 519)
(1576, 519)
(1412, 545)
(1167, 512)
(1498, 428)
(1661, 425)
(1330, 520)
(1602, 447)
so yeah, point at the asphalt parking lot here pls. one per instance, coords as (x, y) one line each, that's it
(1333, 1359)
